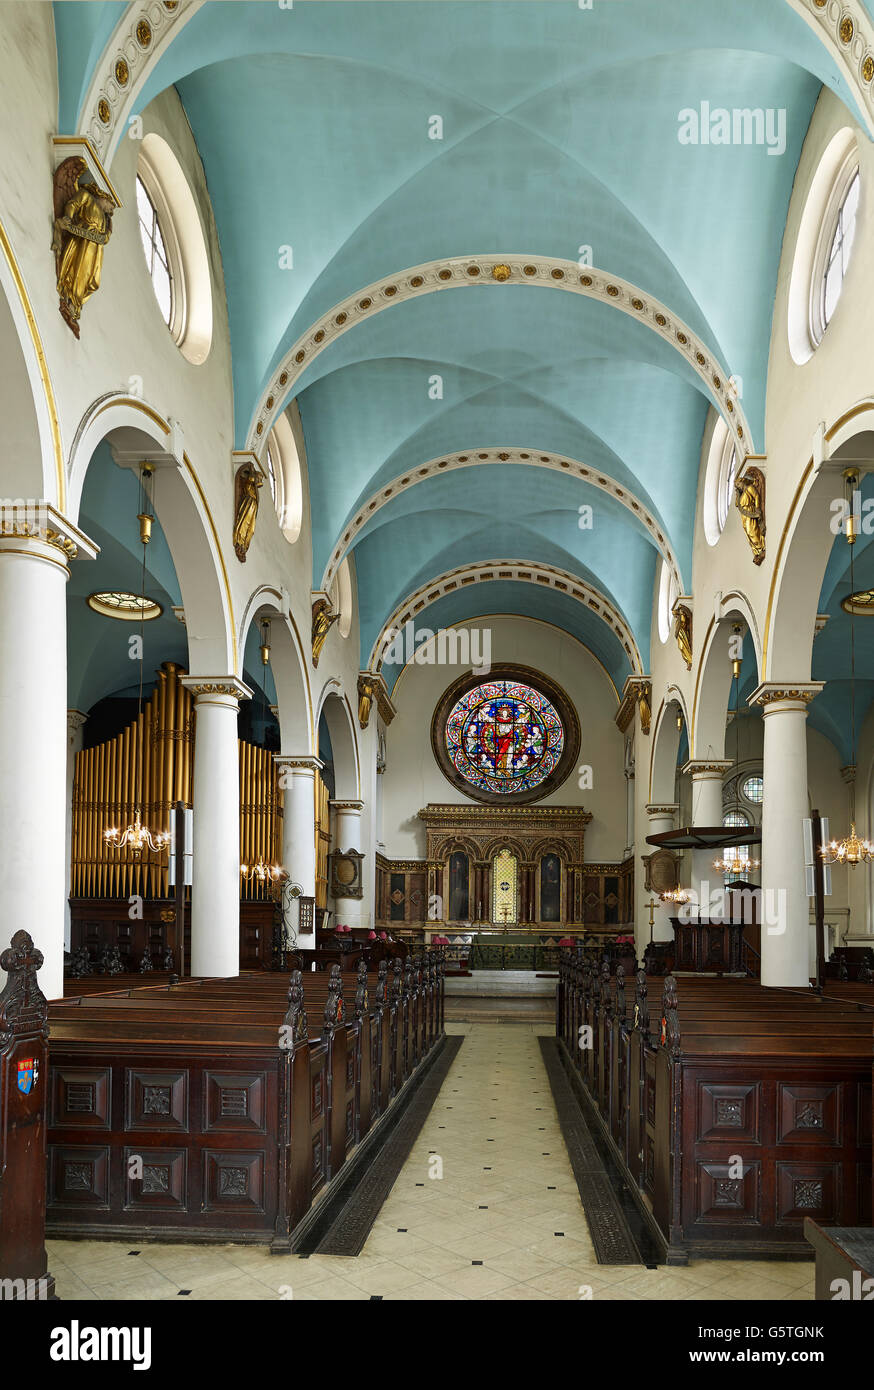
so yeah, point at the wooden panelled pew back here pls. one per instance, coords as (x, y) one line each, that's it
(218, 1109)
(735, 1125)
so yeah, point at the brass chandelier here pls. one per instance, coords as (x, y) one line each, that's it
(138, 837)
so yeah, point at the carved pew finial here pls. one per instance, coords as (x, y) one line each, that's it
(23, 1006)
(361, 996)
(641, 1001)
(382, 984)
(397, 981)
(295, 1018)
(670, 1030)
(335, 1010)
(619, 981)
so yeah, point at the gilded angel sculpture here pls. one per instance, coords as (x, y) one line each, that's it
(323, 621)
(249, 479)
(83, 226)
(683, 633)
(749, 498)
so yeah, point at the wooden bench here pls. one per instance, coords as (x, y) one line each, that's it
(739, 1122)
(220, 1109)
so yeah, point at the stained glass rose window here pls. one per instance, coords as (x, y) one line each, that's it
(504, 737)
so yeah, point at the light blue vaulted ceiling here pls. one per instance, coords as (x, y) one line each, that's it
(559, 132)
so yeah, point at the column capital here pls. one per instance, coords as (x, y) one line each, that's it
(75, 719)
(27, 524)
(203, 687)
(793, 695)
(707, 767)
(662, 809)
(298, 762)
(351, 808)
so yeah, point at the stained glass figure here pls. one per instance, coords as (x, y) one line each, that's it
(504, 737)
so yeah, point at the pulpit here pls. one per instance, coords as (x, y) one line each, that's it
(711, 945)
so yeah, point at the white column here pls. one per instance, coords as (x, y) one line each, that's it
(785, 906)
(707, 778)
(34, 569)
(661, 818)
(75, 724)
(297, 780)
(215, 893)
(347, 835)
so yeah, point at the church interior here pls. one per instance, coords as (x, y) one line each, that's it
(434, 725)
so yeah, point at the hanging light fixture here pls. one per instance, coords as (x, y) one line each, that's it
(740, 861)
(270, 875)
(676, 895)
(138, 837)
(851, 849)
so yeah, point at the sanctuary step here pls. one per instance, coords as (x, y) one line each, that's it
(501, 984)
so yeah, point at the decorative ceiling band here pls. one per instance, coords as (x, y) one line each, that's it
(497, 271)
(469, 458)
(139, 40)
(508, 572)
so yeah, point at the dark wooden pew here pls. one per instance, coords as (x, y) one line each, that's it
(219, 1109)
(776, 1083)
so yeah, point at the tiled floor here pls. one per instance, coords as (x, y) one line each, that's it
(485, 1207)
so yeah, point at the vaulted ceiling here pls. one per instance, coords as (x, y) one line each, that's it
(559, 144)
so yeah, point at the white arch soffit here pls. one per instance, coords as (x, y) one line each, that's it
(138, 42)
(661, 730)
(735, 603)
(41, 392)
(334, 686)
(470, 458)
(507, 571)
(278, 602)
(846, 30)
(113, 412)
(460, 272)
(856, 420)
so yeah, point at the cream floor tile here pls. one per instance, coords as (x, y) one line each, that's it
(475, 1282)
(562, 1282)
(145, 1281)
(518, 1293)
(69, 1285)
(663, 1282)
(757, 1290)
(427, 1292)
(476, 1245)
(335, 1289)
(388, 1278)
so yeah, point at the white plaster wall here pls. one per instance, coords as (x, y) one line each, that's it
(413, 778)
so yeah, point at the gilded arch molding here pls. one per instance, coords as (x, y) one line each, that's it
(471, 458)
(460, 272)
(515, 571)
